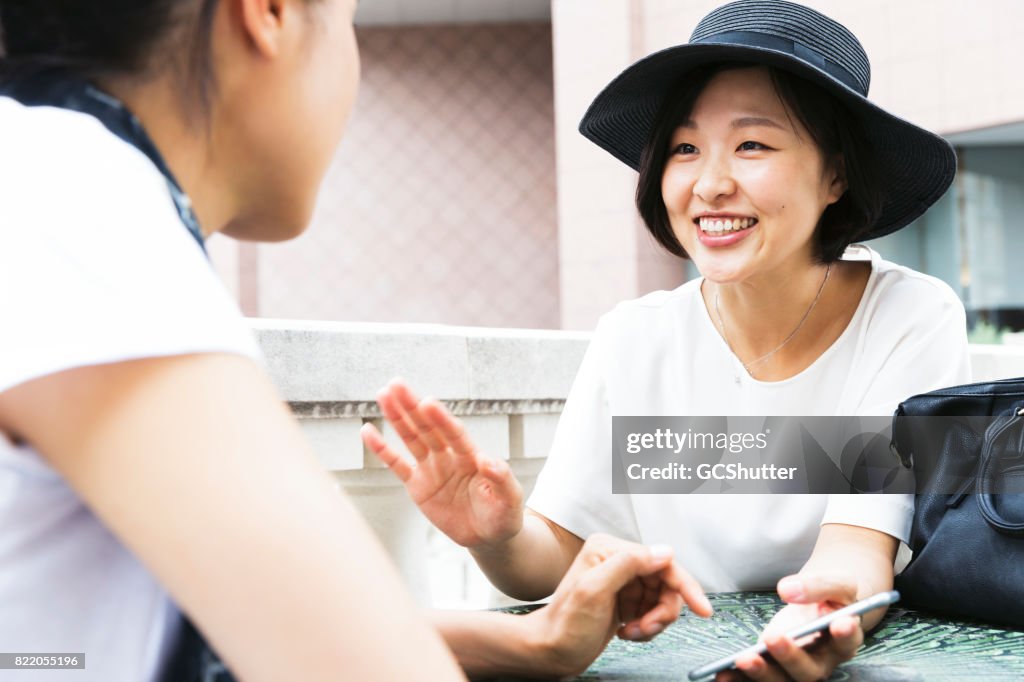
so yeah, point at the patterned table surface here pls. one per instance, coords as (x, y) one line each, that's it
(907, 646)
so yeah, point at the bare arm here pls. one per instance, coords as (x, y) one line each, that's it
(529, 565)
(864, 557)
(478, 503)
(197, 466)
(588, 607)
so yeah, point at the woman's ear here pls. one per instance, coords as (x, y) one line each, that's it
(262, 22)
(837, 183)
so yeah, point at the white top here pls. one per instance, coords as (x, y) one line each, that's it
(661, 355)
(95, 267)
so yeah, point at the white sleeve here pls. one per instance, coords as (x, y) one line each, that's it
(931, 352)
(575, 487)
(96, 267)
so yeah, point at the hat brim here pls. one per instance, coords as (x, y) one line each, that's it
(917, 166)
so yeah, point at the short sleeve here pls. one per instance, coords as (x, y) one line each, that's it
(930, 350)
(95, 266)
(927, 350)
(575, 487)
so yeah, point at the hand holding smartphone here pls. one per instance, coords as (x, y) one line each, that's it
(818, 624)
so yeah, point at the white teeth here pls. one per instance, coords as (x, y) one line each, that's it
(728, 225)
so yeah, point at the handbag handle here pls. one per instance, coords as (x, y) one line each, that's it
(986, 499)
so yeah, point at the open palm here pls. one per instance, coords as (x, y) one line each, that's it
(474, 500)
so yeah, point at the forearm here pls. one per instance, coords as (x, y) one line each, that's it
(865, 555)
(240, 524)
(530, 565)
(486, 643)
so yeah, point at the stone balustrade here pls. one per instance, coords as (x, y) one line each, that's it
(508, 387)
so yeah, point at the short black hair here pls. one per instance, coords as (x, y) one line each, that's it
(832, 126)
(101, 38)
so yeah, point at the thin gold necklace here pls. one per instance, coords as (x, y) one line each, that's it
(748, 365)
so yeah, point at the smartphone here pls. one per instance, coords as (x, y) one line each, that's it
(855, 609)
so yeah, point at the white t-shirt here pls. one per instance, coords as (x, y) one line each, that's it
(95, 267)
(661, 355)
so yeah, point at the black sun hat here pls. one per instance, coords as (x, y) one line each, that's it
(916, 165)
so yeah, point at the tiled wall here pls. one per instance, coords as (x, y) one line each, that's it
(440, 206)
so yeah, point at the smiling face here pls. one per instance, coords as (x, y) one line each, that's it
(745, 185)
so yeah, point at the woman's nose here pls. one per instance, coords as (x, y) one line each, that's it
(714, 182)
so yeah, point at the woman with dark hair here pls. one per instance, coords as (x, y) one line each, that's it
(761, 160)
(147, 466)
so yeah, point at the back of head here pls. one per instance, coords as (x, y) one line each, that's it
(259, 116)
(92, 38)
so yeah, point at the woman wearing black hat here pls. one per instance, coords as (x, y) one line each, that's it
(761, 159)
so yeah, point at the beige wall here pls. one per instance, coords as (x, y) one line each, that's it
(950, 65)
(440, 205)
(606, 255)
(448, 173)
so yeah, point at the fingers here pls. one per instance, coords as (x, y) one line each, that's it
(376, 443)
(613, 573)
(664, 611)
(642, 611)
(650, 588)
(399, 420)
(810, 588)
(686, 585)
(411, 410)
(730, 676)
(426, 426)
(794, 662)
(448, 428)
(654, 619)
(654, 599)
(753, 667)
(629, 599)
(616, 563)
(847, 637)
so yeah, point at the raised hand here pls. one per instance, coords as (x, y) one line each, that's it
(474, 500)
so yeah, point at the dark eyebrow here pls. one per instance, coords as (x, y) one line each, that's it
(753, 121)
(745, 122)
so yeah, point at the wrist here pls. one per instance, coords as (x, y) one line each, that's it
(492, 644)
(495, 548)
(545, 655)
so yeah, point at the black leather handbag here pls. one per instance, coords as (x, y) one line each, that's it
(968, 533)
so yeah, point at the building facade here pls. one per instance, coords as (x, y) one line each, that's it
(463, 193)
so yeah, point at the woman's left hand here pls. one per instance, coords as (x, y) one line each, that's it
(612, 586)
(808, 596)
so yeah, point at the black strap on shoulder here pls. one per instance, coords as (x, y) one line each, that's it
(193, 660)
